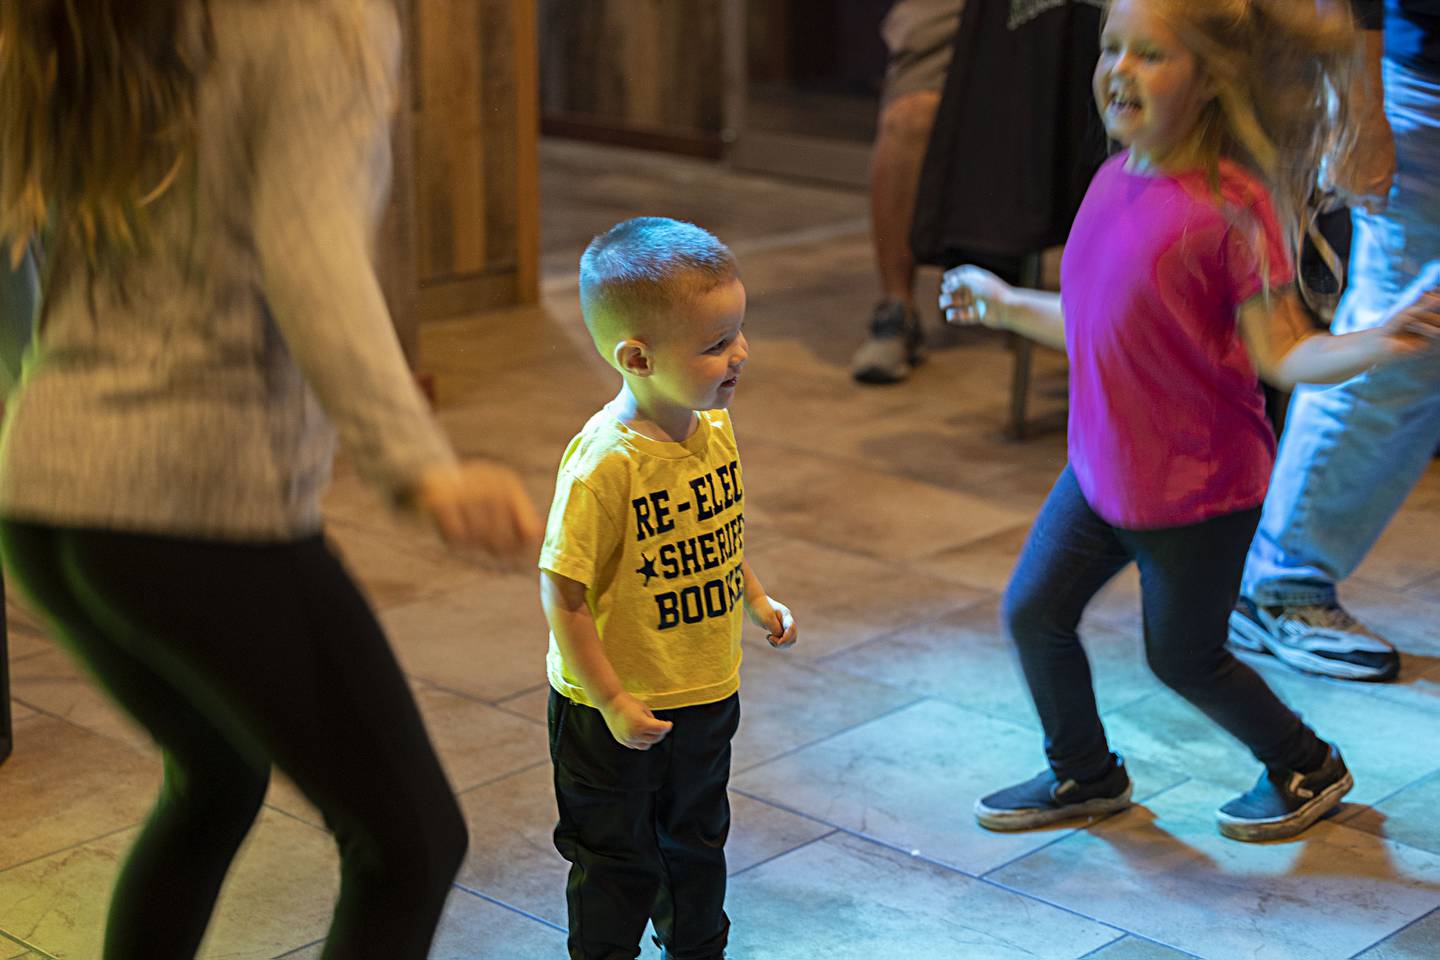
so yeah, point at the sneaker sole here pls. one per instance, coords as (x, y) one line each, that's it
(1282, 828)
(1247, 634)
(1254, 638)
(1004, 821)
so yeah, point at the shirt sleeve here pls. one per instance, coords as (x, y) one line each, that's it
(1257, 255)
(321, 173)
(580, 533)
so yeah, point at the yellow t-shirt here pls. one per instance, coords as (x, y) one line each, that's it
(656, 532)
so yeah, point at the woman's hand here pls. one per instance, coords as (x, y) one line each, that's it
(481, 504)
(971, 295)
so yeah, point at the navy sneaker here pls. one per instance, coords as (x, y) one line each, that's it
(1046, 799)
(1285, 802)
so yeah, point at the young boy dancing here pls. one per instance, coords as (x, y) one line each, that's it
(643, 582)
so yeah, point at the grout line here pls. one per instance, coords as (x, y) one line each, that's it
(1103, 947)
(504, 776)
(74, 846)
(785, 853)
(1147, 798)
(508, 906)
(736, 771)
(1395, 933)
(303, 946)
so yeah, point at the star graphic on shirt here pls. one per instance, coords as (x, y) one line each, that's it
(647, 568)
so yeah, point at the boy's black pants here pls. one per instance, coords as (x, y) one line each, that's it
(644, 831)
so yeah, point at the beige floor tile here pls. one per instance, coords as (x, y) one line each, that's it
(511, 855)
(1405, 619)
(864, 510)
(513, 859)
(1407, 816)
(910, 779)
(1163, 871)
(473, 928)
(65, 785)
(985, 564)
(1379, 737)
(786, 703)
(841, 598)
(401, 565)
(486, 638)
(476, 743)
(585, 192)
(24, 636)
(1405, 553)
(278, 896)
(964, 657)
(1133, 948)
(18, 711)
(53, 683)
(857, 901)
(1415, 942)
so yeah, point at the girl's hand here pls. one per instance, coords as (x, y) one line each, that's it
(971, 294)
(776, 620)
(1414, 326)
(481, 504)
(632, 724)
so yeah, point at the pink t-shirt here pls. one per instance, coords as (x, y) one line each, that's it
(1167, 420)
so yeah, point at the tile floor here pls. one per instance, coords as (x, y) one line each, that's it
(887, 518)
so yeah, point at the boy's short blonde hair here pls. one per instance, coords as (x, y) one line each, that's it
(634, 275)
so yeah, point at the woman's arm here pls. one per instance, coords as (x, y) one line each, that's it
(971, 294)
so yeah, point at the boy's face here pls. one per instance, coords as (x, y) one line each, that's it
(697, 364)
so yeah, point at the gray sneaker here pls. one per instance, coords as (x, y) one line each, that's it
(895, 346)
(1322, 639)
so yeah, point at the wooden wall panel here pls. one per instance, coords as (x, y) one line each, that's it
(645, 71)
(462, 232)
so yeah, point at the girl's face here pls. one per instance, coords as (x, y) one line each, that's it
(1148, 85)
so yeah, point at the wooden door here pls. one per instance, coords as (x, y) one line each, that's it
(462, 233)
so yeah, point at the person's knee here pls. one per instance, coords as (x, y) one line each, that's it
(1180, 666)
(908, 119)
(223, 795)
(1026, 614)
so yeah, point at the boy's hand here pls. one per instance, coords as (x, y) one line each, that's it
(971, 295)
(632, 724)
(775, 618)
(481, 504)
(1415, 326)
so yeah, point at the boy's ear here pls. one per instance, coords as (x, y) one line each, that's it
(633, 357)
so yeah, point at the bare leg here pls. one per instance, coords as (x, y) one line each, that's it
(904, 132)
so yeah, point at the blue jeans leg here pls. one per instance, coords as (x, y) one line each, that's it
(1352, 452)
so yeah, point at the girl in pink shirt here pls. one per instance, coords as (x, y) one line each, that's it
(1174, 300)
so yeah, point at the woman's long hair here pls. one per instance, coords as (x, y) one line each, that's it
(97, 105)
(1282, 72)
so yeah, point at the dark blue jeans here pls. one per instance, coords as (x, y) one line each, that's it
(1189, 578)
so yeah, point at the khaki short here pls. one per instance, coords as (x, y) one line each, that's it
(919, 35)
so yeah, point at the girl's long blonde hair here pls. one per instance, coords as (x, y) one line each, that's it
(1282, 72)
(97, 101)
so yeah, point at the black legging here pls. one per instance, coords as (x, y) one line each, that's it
(236, 657)
(1189, 580)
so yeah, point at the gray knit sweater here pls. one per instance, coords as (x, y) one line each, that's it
(187, 391)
